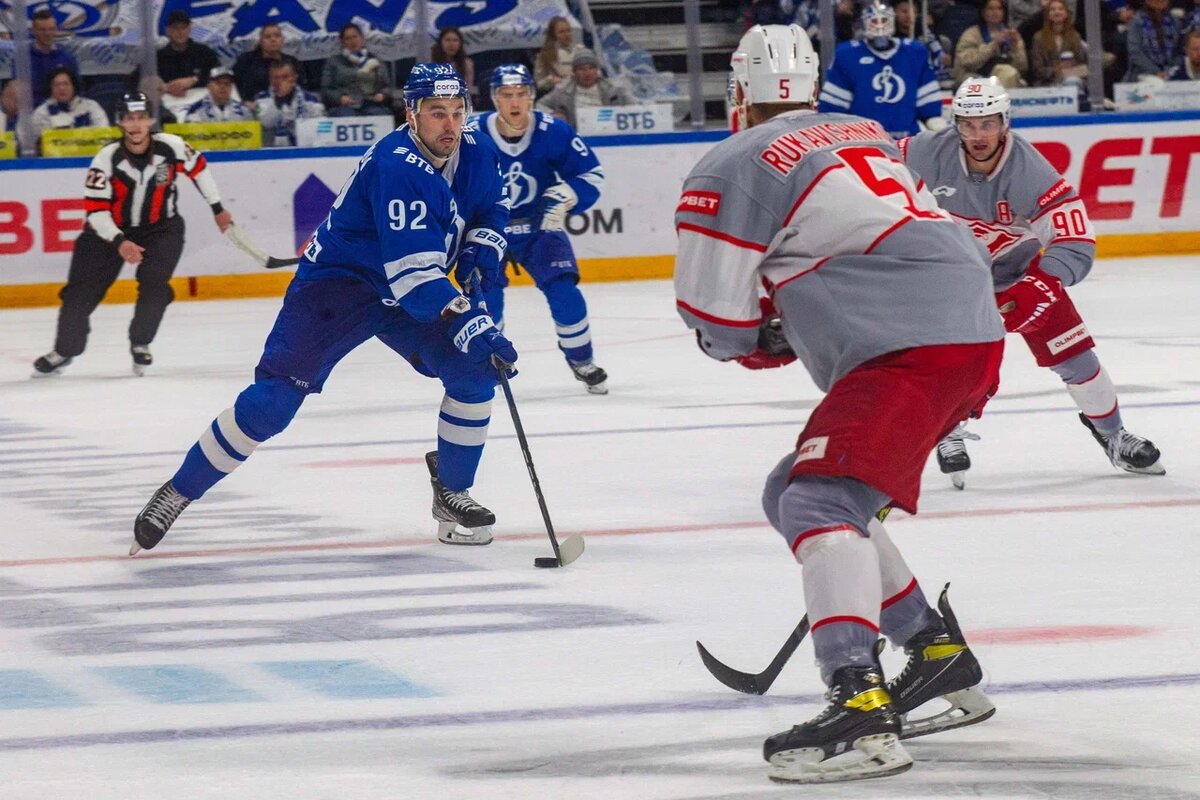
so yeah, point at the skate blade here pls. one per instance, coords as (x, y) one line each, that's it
(570, 549)
(139, 370)
(54, 373)
(450, 533)
(967, 707)
(881, 755)
(599, 388)
(959, 479)
(1154, 469)
(135, 548)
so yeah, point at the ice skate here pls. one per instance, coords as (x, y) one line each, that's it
(593, 377)
(1128, 452)
(460, 519)
(157, 517)
(50, 364)
(859, 721)
(940, 665)
(952, 455)
(141, 359)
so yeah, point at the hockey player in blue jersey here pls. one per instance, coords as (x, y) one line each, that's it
(377, 267)
(884, 78)
(549, 172)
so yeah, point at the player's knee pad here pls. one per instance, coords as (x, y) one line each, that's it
(567, 305)
(777, 482)
(267, 406)
(1079, 368)
(815, 507)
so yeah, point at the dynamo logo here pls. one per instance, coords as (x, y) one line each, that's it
(889, 87)
(522, 188)
(73, 17)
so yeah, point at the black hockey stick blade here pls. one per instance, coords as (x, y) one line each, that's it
(745, 682)
(276, 263)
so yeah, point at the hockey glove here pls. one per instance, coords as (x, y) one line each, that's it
(554, 205)
(476, 335)
(1023, 305)
(773, 348)
(480, 262)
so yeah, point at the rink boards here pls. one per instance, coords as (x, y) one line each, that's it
(1136, 175)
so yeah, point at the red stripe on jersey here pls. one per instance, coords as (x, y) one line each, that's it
(1061, 239)
(1054, 191)
(887, 233)
(903, 593)
(724, 237)
(903, 146)
(200, 165)
(1070, 199)
(852, 620)
(796, 206)
(120, 195)
(90, 206)
(728, 323)
(818, 531)
(156, 203)
(802, 273)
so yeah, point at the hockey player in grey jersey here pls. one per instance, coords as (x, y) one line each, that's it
(888, 304)
(1036, 229)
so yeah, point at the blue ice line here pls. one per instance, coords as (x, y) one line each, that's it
(722, 702)
(177, 683)
(424, 440)
(24, 689)
(346, 680)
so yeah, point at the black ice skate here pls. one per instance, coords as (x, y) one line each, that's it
(1128, 452)
(141, 359)
(157, 517)
(50, 364)
(952, 455)
(940, 665)
(859, 716)
(594, 378)
(460, 519)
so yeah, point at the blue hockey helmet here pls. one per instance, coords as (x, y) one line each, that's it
(434, 81)
(511, 75)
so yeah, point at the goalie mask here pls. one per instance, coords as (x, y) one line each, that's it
(878, 25)
(773, 64)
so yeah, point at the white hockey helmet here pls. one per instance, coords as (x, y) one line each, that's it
(981, 97)
(774, 64)
(878, 21)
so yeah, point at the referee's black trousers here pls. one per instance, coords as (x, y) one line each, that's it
(95, 265)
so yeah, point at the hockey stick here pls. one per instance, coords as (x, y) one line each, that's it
(745, 682)
(571, 547)
(243, 242)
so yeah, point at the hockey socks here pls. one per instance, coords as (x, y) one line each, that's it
(569, 311)
(219, 451)
(904, 610)
(1092, 390)
(462, 432)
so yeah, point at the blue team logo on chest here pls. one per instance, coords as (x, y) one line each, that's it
(522, 187)
(889, 87)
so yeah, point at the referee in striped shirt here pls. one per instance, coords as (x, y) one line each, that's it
(132, 217)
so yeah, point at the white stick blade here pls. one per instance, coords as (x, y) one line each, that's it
(570, 549)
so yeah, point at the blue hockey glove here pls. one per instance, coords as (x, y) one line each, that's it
(553, 207)
(475, 334)
(480, 262)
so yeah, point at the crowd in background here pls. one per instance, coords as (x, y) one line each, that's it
(1028, 42)
(276, 88)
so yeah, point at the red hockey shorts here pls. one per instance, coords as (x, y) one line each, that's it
(880, 421)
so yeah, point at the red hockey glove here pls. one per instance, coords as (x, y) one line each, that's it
(1023, 305)
(773, 349)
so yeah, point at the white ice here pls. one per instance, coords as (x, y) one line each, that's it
(300, 633)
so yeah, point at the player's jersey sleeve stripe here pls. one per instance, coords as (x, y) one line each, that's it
(826, 97)
(808, 191)
(724, 237)
(837, 91)
(728, 323)
(928, 92)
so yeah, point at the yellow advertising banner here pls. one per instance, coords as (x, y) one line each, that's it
(77, 141)
(8, 144)
(240, 135)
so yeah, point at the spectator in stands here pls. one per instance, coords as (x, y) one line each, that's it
(1059, 54)
(1192, 23)
(1021, 11)
(449, 49)
(958, 16)
(279, 108)
(252, 70)
(992, 48)
(66, 108)
(1189, 70)
(585, 87)
(218, 105)
(938, 47)
(1154, 40)
(354, 82)
(553, 65)
(46, 54)
(184, 64)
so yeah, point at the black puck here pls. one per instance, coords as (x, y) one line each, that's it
(549, 561)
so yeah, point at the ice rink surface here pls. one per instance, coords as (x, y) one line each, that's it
(300, 633)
